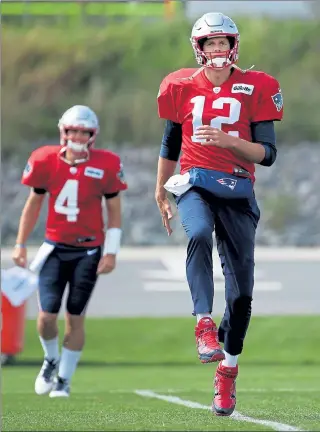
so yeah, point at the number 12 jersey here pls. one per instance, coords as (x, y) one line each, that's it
(189, 98)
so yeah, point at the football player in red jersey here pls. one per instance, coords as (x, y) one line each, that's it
(76, 250)
(220, 118)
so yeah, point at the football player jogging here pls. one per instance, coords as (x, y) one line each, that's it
(76, 250)
(221, 119)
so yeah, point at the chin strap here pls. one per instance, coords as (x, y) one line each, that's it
(62, 154)
(243, 70)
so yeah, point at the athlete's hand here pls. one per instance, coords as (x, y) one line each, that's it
(19, 256)
(107, 264)
(165, 209)
(215, 137)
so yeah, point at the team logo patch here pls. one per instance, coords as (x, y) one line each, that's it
(242, 88)
(94, 172)
(121, 175)
(27, 170)
(278, 100)
(228, 182)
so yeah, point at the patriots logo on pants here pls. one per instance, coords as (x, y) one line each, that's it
(230, 183)
(278, 100)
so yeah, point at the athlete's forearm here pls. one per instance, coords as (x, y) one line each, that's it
(114, 233)
(250, 152)
(29, 217)
(166, 169)
(114, 212)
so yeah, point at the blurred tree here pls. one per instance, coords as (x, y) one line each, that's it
(117, 69)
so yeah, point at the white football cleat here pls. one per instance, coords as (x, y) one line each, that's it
(61, 388)
(44, 381)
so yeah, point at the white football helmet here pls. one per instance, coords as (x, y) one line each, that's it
(78, 117)
(215, 25)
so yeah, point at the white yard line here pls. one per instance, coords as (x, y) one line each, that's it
(235, 416)
(246, 390)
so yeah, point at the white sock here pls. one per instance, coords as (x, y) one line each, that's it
(68, 363)
(230, 360)
(205, 315)
(50, 348)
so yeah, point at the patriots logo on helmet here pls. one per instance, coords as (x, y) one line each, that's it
(230, 183)
(278, 100)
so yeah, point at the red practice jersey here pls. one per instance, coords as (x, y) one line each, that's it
(189, 98)
(75, 192)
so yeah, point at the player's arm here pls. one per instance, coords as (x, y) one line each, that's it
(169, 153)
(267, 107)
(113, 203)
(262, 150)
(35, 175)
(115, 184)
(168, 158)
(264, 133)
(29, 216)
(28, 220)
(113, 233)
(172, 136)
(167, 100)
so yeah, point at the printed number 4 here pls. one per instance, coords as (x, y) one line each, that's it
(67, 200)
(217, 122)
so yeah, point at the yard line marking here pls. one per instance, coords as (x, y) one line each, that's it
(245, 390)
(235, 416)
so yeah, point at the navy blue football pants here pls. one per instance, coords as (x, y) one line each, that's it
(234, 223)
(75, 266)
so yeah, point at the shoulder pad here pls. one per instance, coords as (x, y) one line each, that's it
(42, 153)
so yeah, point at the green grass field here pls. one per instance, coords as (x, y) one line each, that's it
(279, 379)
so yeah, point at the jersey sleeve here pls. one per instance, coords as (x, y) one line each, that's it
(167, 100)
(268, 102)
(34, 174)
(115, 179)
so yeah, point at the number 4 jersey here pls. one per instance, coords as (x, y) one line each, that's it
(75, 192)
(189, 98)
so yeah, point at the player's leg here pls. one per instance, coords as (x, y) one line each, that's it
(235, 231)
(81, 285)
(52, 281)
(197, 218)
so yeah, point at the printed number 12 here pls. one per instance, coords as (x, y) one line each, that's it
(217, 122)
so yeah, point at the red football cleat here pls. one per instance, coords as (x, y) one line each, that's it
(224, 401)
(209, 349)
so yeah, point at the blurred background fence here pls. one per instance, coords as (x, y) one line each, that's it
(112, 56)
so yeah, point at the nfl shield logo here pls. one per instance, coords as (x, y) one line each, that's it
(278, 100)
